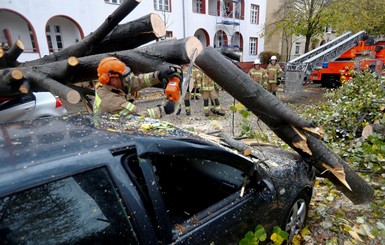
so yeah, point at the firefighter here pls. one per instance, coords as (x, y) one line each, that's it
(209, 91)
(274, 72)
(346, 74)
(195, 92)
(258, 74)
(187, 96)
(116, 83)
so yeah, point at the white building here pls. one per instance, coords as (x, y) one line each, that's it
(50, 25)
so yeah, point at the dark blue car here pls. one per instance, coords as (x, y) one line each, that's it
(96, 180)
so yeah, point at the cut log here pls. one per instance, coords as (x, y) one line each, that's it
(283, 122)
(16, 75)
(172, 51)
(24, 87)
(71, 95)
(85, 46)
(373, 128)
(132, 34)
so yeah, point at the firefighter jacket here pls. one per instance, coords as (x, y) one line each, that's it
(196, 80)
(346, 74)
(196, 77)
(207, 84)
(273, 72)
(108, 99)
(258, 74)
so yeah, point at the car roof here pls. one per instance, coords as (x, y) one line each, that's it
(27, 143)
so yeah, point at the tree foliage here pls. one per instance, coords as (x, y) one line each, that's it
(357, 15)
(310, 18)
(344, 115)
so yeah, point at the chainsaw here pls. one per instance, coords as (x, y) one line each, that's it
(175, 90)
(173, 86)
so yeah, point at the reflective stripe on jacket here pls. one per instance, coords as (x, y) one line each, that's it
(207, 84)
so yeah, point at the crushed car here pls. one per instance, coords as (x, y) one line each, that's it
(102, 179)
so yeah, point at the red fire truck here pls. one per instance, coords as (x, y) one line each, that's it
(366, 55)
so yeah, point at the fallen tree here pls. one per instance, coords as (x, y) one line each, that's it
(301, 135)
(57, 72)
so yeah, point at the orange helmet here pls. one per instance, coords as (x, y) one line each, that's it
(111, 67)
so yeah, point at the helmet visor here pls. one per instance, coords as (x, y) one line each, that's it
(126, 72)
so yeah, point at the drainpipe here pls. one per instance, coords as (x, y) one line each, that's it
(184, 19)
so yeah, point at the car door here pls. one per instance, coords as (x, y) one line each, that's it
(202, 199)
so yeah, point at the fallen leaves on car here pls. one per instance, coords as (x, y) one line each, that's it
(134, 124)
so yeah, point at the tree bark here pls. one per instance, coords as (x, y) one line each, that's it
(85, 46)
(298, 133)
(132, 34)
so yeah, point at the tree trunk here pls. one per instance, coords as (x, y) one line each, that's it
(85, 46)
(295, 131)
(307, 43)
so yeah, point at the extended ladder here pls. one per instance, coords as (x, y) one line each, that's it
(297, 69)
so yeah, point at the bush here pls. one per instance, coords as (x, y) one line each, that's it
(346, 112)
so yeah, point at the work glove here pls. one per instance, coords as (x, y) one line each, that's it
(164, 76)
(278, 81)
(169, 107)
